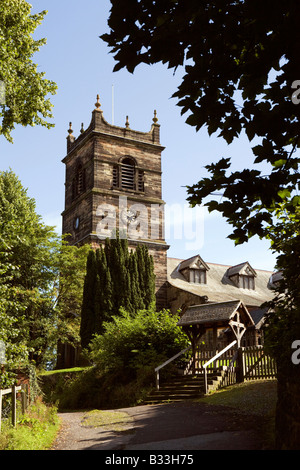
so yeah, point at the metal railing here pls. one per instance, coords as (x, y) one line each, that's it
(213, 359)
(157, 369)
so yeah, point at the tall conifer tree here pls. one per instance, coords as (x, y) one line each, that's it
(115, 278)
(87, 326)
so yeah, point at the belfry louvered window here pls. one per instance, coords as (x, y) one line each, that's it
(127, 176)
(115, 176)
(78, 183)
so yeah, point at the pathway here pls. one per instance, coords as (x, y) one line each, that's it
(185, 425)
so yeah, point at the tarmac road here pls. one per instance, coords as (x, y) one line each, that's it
(185, 425)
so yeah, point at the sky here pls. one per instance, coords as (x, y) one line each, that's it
(82, 66)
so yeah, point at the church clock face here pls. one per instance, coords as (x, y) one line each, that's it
(128, 215)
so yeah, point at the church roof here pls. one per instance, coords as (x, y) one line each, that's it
(219, 287)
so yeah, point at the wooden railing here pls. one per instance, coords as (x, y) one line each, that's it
(13, 391)
(238, 364)
(257, 364)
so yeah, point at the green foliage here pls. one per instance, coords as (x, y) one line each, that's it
(36, 430)
(94, 388)
(124, 358)
(134, 341)
(238, 79)
(41, 280)
(283, 326)
(26, 88)
(115, 278)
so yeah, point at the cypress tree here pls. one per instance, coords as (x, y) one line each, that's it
(87, 325)
(115, 278)
(146, 275)
(135, 291)
(104, 293)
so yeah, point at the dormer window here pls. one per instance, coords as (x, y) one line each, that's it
(194, 270)
(242, 276)
(275, 280)
(247, 282)
(197, 276)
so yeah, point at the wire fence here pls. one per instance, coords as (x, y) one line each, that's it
(13, 401)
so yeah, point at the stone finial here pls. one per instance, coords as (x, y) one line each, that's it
(97, 104)
(127, 123)
(70, 130)
(82, 129)
(155, 120)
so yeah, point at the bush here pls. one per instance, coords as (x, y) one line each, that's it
(132, 342)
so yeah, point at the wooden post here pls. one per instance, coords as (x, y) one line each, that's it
(205, 380)
(0, 408)
(240, 372)
(24, 398)
(215, 336)
(14, 405)
(157, 380)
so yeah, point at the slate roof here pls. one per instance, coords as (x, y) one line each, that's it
(220, 312)
(219, 287)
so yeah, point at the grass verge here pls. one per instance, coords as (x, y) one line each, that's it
(254, 398)
(116, 421)
(35, 430)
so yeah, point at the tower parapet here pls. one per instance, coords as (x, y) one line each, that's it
(99, 124)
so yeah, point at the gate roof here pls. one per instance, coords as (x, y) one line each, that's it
(215, 314)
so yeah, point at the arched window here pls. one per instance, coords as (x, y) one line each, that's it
(78, 183)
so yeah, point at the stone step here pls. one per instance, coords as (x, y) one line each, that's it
(180, 388)
(184, 387)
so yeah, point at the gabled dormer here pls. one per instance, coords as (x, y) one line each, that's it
(194, 270)
(275, 280)
(242, 276)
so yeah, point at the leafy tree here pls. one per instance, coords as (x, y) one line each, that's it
(133, 341)
(24, 89)
(41, 281)
(241, 61)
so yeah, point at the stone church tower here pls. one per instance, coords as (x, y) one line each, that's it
(113, 183)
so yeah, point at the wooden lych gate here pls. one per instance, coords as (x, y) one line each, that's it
(237, 363)
(198, 319)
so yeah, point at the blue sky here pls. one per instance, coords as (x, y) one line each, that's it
(81, 65)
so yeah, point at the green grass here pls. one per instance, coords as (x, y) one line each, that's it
(62, 371)
(116, 421)
(255, 398)
(252, 397)
(35, 430)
